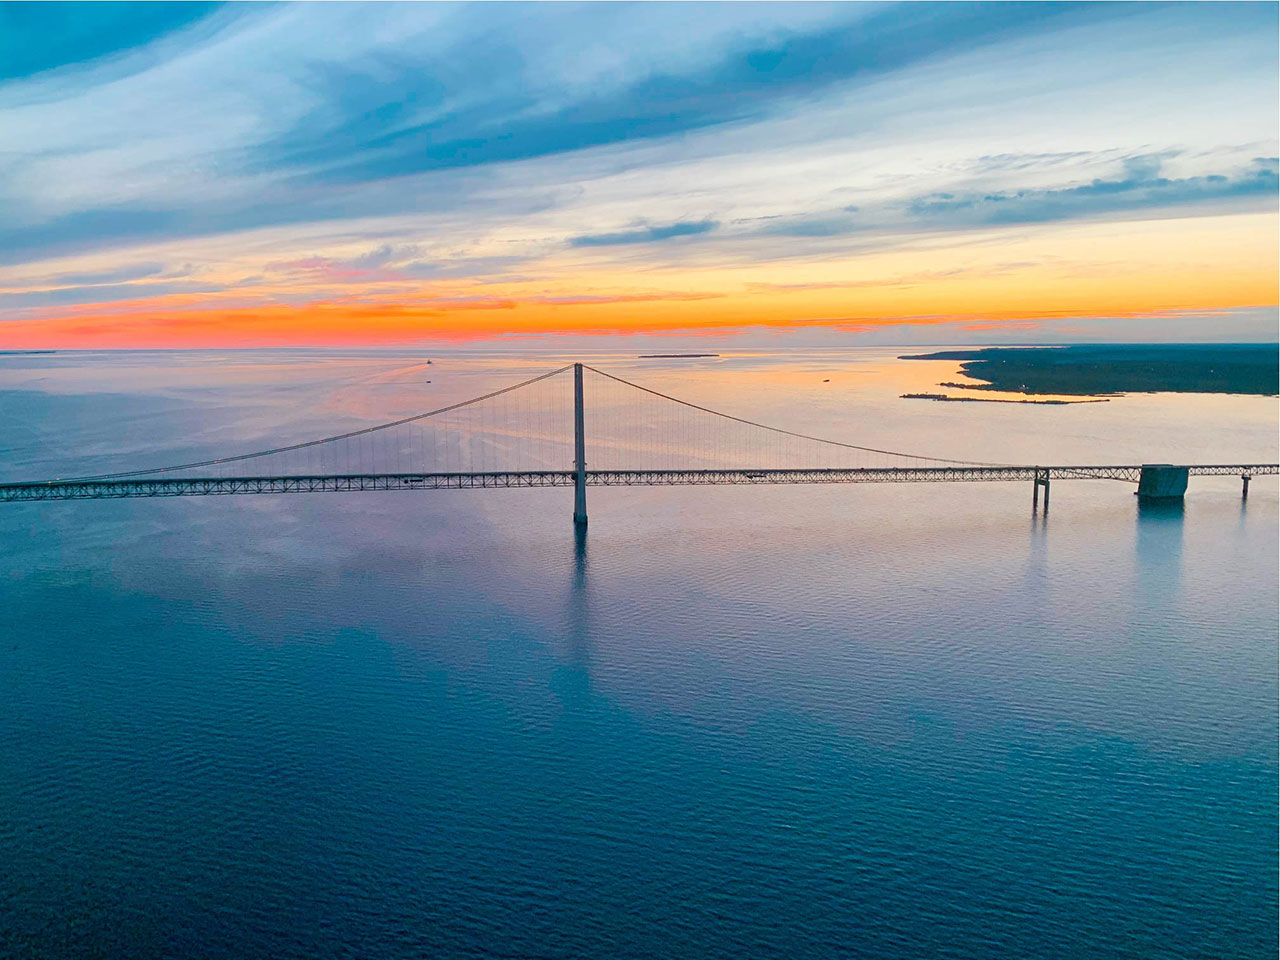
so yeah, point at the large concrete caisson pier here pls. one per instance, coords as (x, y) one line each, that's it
(1162, 481)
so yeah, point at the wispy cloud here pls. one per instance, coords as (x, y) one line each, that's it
(1142, 189)
(398, 115)
(589, 300)
(687, 228)
(84, 32)
(101, 293)
(388, 264)
(121, 274)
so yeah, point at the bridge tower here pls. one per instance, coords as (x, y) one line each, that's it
(579, 452)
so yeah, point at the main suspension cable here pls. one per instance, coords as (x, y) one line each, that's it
(792, 433)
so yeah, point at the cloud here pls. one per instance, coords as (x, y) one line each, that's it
(822, 225)
(100, 293)
(587, 300)
(121, 274)
(84, 229)
(490, 269)
(687, 228)
(910, 280)
(1142, 189)
(392, 264)
(36, 37)
(394, 113)
(385, 254)
(329, 270)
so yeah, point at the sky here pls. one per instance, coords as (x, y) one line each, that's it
(242, 175)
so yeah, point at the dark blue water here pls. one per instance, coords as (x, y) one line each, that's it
(881, 721)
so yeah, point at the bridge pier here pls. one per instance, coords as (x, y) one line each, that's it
(1041, 480)
(579, 452)
(1244, 489)
(1162, 481)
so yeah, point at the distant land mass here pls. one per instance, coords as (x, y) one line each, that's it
(677, 356)
(1100, 369)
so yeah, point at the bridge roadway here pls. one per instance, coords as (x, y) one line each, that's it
(106, 489)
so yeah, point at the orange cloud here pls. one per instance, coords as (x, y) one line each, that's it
(144, 324)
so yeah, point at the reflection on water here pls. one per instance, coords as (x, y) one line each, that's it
(579, 628)
(1158, 553)
(579, 556)
(873, 720)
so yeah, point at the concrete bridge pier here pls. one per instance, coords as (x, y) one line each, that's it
(1042, 480)
(1244, 489)
(1162, 481)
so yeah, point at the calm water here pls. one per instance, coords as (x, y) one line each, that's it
(881, 720)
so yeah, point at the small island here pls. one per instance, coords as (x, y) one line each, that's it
(945, 398)
(1109, 369)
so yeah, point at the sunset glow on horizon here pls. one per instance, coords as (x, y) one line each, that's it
(196, 175)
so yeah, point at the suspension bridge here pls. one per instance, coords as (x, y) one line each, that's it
(535, 434)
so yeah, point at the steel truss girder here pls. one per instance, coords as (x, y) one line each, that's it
(215, 486)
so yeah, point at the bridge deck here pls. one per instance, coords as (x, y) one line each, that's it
(217, 486)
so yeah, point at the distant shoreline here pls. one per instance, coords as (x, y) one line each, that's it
(677, 356)
(1091, 370)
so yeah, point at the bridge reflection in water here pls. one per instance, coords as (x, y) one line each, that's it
(648, 440)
